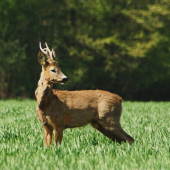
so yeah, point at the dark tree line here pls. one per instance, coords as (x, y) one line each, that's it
(117, 45)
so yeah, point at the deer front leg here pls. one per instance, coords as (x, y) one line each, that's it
(48, 132)
(58, 135)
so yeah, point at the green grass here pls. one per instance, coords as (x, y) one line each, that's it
(21, 141)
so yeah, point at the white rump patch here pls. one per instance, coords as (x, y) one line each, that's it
(122, 105)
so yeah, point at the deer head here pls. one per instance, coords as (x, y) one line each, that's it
(50, 69)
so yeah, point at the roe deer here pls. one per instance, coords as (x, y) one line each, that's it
(58, 110)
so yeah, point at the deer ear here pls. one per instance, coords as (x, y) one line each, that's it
(41, 58)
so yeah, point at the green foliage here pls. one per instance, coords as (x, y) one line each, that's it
(121, 45)
(12, 67)
(21, 140)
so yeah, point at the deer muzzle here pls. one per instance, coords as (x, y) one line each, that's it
(64, 80)
(60, 81)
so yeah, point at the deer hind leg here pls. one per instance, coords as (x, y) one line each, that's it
(58, 136)
(123, 135)
(105, 132)
(48, 132)
(117, 134)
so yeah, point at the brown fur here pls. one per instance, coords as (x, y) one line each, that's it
(58, 110)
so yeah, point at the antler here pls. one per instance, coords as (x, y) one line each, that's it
(47, 52)
(54, 56)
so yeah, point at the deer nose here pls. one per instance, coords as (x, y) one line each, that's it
(65, 79)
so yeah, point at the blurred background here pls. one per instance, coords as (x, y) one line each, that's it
(122, 46)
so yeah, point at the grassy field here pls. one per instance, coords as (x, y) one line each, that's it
(21, 141)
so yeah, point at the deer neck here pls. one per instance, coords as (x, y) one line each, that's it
(43, 92)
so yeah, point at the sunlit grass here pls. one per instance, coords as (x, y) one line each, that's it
(21, 140)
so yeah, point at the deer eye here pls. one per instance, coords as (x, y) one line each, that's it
(53, 70)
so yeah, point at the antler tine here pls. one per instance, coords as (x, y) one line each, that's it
(47, 46)
(50, 52)
(43, 51)
(54, 56)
